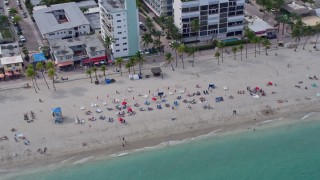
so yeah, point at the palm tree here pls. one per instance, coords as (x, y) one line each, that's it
(146, 39)
(51, 74)
(128, 66)
(241, 48)
(195, 27)
(119, 62)
(84, 9)
(307, 31)
(13, 11)
(4, 20)
(254, 40)
(49, 65)
(317, 29)
(181, 49)
(140, 60)
(266, 43)
(30, 66)
(103, 68)
(46, 51)
(296, 33)
(234, 50)
(217, 55)
(149, 23)
(158, 43)
(169, 59)
(174, 46)
(259, 41)
(16, 19)
(89, 72)
(248, 35)
(26, 53)
(30, 74)
(191, 51)
(133, 62)
(40, 67)
(94, 69)
(220, 46)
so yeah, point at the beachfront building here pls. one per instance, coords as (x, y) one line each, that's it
(79, 50)
(61, 21)
(10, 66)
(93, 16)
(260, 27)
(160, 7)
(117, 19)
(218, 19)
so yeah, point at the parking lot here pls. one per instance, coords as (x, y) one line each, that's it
(26, 25)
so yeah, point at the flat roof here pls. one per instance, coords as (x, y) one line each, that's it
(11, 60)
(62, 46)
(256, 24)
(94, 20)
(311, 20)
(88, 3)
(48, 23)
(113, 5)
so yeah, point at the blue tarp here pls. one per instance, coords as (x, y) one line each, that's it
(56, 110)
(38, 57)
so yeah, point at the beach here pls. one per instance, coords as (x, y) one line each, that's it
(284, 68)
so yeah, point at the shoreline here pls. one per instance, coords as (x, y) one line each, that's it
(153, 128)
(114, 151)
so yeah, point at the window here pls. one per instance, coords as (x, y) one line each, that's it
(125, 49)
(119, 27)
(70, 32)
(124, 38)
(118, 20)
(124, 43)
(117, 44)
(117, 50)
(16, 64)
(118, 14)
(119, 32)
(51, 34)
(57, 32)
(8, 65)
(84, 27)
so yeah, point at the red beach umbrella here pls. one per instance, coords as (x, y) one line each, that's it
(154, 99)
(257, 88)
(120, 119)
(270, 83)
(130, 109)
(124, 103)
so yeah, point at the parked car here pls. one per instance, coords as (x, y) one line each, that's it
(22, 39)
(24, 14)
(6, 2)
(143, 28)
(146, 51)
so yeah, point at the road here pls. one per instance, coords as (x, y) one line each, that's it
(29, 29)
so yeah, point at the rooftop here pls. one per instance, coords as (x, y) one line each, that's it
(62, 46)
(94, 20)
(256, 24)
(87, 4)
(113, 5)
(311, 20)
(8, 50)
(58, 17)
(11, 60)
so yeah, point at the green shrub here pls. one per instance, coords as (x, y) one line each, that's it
(204, 47)
(234, 43)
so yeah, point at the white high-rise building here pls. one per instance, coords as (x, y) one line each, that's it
(119, 21)
(160, 7)
(217, 18)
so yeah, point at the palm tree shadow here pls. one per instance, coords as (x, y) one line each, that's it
(59, 94)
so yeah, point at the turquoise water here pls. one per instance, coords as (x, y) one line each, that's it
(288, 152)
(230, 40)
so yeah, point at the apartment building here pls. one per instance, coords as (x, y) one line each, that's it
(160, 7)
(61, 21)
(218, 19)
(119, 21)
(82, 49)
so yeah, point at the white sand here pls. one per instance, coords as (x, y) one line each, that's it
(68, 138)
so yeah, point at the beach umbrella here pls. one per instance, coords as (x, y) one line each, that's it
(270, 83)
(130, 109)
(124, 103)
(257, 88)
(154, 99)
(120, 119)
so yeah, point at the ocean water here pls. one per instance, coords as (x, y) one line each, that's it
(287, 152)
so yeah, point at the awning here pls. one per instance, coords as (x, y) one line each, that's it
(65, 63)
(8, 74)
(86, 61)
(1, 75)
(98, 58)
(38, 57)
